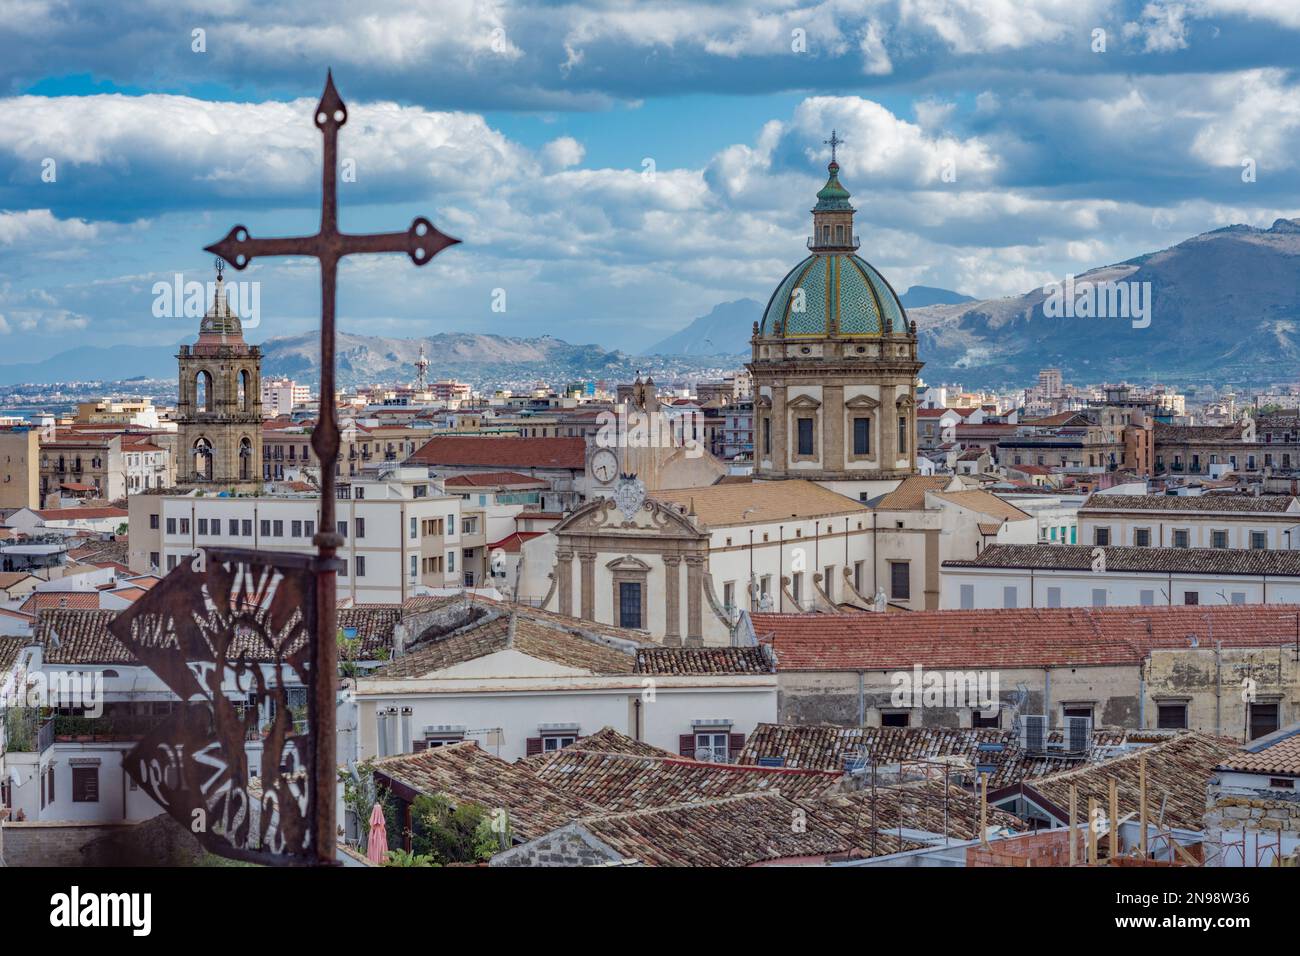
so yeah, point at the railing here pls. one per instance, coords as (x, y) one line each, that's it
(712, 755)
(841, 243)
(45, 739)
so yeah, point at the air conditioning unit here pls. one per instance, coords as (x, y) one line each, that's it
(1078, 735)
(1033, 733)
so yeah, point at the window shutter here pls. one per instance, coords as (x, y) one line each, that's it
(735, 744)
(686, 745)
(533, 746)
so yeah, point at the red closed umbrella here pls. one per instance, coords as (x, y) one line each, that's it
(377, 845)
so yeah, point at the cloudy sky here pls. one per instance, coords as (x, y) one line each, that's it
(618, 168)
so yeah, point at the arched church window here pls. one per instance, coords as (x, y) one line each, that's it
(245, 458)
(245, 390)
(203, 392)
(203, 459)
(839, 233)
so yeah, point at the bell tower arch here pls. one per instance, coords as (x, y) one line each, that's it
(219, 410)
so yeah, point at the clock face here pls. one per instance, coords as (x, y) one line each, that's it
(604, 466)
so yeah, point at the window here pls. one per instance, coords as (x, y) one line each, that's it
(1191, 597)
(343, 529)
(185, 526)
(1180, 538)
(85, 785)
(1077, 710)
(1147, 597)
(896, 718)
(1010, 596)
(361, 527)
(629, 604)
(806, 436)
(414, 532)
(857, 576)
(1098, 597)
(233, 527)
(361, 565)
(1053, 597)
(153, 522)
(767, 436)
(552, 742)
(1101, 537)
(1142, 537)
(1263, 719)
(1218, 539)
(171, 525)
(308, 528)
(902, 435)
(712, 748)
(248, 527)
(900, 580)
(265, 527)
(968, 597)
(1238, 597)
(729, 595)
(1171, 715)
(862, 436)
(977, 719)
(153, 560)
(451, 524)
(203, 526)
(295, 528)
(277, 529)
(1258, 540)
(451, 562)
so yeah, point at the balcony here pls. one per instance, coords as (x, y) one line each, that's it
(852, 243)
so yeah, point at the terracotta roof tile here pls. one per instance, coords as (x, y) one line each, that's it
(1079, 557)
(740, 830)
(1249, 504)
(910, 494)
(467, 774)
(721, 505)
(493, 478)
(704, 660)
(460, 451)
(47, 600)
(827, 747)
(1276, 753)
(1023, 637)
(620, 781)
(1178, 771)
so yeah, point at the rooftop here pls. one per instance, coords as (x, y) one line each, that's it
(465, 773)
(1021, 637)
(763, 502)
(503, 453)
(1275, 753)
(1079, 557)
(1219, 504)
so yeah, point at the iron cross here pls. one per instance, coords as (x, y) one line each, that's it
(422, 241)
(832, 143)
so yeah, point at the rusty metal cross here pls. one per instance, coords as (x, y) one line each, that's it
(422, 241)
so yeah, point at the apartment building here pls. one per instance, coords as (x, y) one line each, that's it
(1260, 522)
(400, 532)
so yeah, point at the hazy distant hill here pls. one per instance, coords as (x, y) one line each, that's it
(724, 331)
(1225, 308)
(920, 296)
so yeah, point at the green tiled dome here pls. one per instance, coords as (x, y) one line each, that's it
(842, 295)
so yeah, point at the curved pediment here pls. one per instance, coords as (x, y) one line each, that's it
(602, 516)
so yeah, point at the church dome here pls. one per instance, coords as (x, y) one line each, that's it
(838, 294)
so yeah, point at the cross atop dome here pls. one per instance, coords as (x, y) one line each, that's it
(832, 143)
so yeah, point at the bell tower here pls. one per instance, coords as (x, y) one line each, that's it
(219, 412)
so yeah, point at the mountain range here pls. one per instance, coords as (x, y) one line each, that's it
(1224, 307)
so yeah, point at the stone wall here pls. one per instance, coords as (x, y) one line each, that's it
(155, 842)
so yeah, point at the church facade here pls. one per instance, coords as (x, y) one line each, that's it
(219, 411)
(834, 366)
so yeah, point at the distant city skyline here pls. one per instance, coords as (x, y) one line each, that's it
(617, 172)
